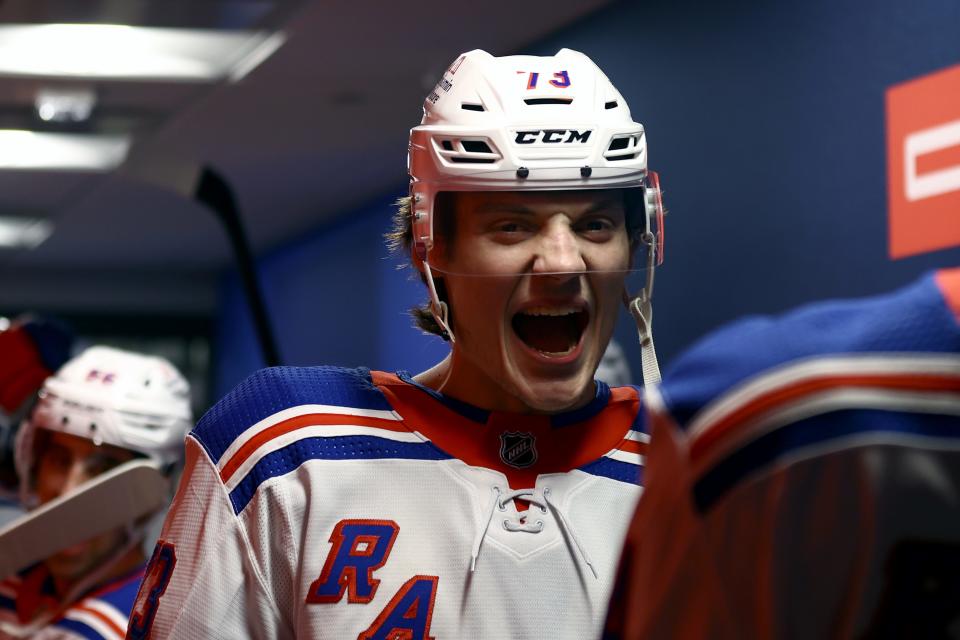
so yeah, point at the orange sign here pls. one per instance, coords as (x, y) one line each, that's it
(923, 163)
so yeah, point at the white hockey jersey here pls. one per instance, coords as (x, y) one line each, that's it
(99, 615)
(334, 503)
(803, 479)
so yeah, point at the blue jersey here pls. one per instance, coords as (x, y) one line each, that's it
(803, 478)
(99, 615)
(345, 503)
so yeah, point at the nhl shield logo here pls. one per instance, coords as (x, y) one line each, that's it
(518, 449)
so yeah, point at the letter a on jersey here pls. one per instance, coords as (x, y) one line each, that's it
(408, 614)
(360, 547)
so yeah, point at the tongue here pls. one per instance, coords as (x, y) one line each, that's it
(550, 334)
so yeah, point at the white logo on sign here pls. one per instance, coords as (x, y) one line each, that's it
(934, 183)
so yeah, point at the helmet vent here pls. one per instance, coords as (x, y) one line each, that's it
(610, 105)
(476, 146)
(462, 160)
(539, 101)
(466, 106)
(619, 143)
(623, 148)
(475, 151)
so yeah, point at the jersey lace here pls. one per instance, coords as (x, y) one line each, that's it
(523, 522)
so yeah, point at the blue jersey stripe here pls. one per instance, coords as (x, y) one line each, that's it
(269, 391)
(7, 602)
(818, 430)
(289, 458)
(78, 628)
(615, 470)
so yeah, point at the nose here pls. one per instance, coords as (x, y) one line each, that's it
(559, 250)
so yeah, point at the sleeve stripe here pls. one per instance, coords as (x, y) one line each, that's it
(794, 383)
(637, 436)
(95, 621)
(729, 435)
(106, 611)
(251, 441)
(626, 456)
(300, 410)
(312, 430)
(608, 467)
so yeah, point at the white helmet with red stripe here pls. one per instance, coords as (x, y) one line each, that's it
(110, 396)
(529, 123)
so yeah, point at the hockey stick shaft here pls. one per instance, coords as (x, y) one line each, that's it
(214, 192)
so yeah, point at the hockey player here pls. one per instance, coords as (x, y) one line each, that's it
(102, 409)
(803, 478)
(488, 496)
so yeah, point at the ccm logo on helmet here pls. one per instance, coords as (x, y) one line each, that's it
(552, 136)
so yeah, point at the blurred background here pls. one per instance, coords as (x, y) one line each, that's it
(767, 122)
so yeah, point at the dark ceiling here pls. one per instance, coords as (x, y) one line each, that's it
(315, 131)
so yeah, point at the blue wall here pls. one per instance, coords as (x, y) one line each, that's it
(334, 297)
(766, 122)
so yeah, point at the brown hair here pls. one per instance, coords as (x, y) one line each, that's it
(400, 242)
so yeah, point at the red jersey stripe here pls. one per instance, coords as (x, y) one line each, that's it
(299, 422)
(727, 426)
(102, 617)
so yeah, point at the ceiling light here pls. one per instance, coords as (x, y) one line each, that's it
(65, 105)
(105, 51)
(24, 232)
(61, 151)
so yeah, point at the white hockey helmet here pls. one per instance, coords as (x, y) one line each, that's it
(521, 123)
(126, 399)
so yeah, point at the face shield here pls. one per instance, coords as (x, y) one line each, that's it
(612, 239)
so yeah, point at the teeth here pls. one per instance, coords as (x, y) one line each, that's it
(551, 311)
(559, 353)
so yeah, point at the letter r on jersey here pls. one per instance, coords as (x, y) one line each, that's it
(360, 547)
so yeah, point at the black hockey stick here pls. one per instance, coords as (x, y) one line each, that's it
(213, 191)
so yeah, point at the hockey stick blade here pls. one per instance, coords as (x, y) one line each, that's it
(113, 499)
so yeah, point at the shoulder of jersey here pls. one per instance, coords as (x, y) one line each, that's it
(914, 319)
(282, 417)
(277, 390)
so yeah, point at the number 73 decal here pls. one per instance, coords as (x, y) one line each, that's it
(561, 79)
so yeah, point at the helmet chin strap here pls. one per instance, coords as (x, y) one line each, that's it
(438, 308)
(641, 308)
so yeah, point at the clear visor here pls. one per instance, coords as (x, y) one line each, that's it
(615, 236)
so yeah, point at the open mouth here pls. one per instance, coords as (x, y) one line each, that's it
(553, 331)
